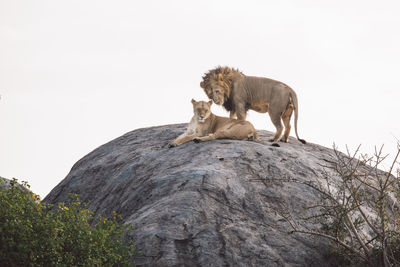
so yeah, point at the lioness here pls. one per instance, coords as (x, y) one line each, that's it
(238, 93)
(206, 126)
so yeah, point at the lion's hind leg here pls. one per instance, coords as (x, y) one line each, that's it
(276, 120)
(227, 133)
(253, 136)
(286, 121)
(241, 130)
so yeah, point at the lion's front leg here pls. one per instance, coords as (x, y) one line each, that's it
(205, 138)
(182, 139)
(241, 112)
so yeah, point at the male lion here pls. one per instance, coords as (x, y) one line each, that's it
(238, 93)
(206, 126)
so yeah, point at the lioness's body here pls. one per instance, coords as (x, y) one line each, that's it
(206, 126)
(238, 93)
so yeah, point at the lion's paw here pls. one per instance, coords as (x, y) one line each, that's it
(172, 144)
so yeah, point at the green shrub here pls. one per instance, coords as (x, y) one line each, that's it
(35, 234)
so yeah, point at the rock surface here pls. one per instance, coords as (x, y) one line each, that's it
(205, 204)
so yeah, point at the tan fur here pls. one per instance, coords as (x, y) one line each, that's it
(238, 93)
(206, 126)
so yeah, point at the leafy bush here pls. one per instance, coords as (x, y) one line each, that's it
(35, 234)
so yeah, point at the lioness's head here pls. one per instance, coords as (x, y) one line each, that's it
(201, 110)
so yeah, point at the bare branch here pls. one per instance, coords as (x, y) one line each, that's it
(389, 173)
(357, 236)
(357, 188)
(338, 241)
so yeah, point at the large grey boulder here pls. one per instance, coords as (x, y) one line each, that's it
(202, 204)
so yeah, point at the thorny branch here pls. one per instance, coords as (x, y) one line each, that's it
(354, 207)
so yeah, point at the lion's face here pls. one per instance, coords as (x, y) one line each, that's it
(217, 82)
(201, 110)
(218, 95)
(218, 88)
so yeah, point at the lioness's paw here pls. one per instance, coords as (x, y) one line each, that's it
(172, 144)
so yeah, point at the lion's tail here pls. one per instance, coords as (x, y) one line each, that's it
(293, 97)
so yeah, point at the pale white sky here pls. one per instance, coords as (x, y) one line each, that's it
(77, 74)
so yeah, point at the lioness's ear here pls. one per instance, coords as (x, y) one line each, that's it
(202, 84)
(209, 103)
(193, 101)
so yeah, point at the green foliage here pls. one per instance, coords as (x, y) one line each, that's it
(35, 234)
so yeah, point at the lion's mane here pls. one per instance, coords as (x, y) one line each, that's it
(223, 76)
